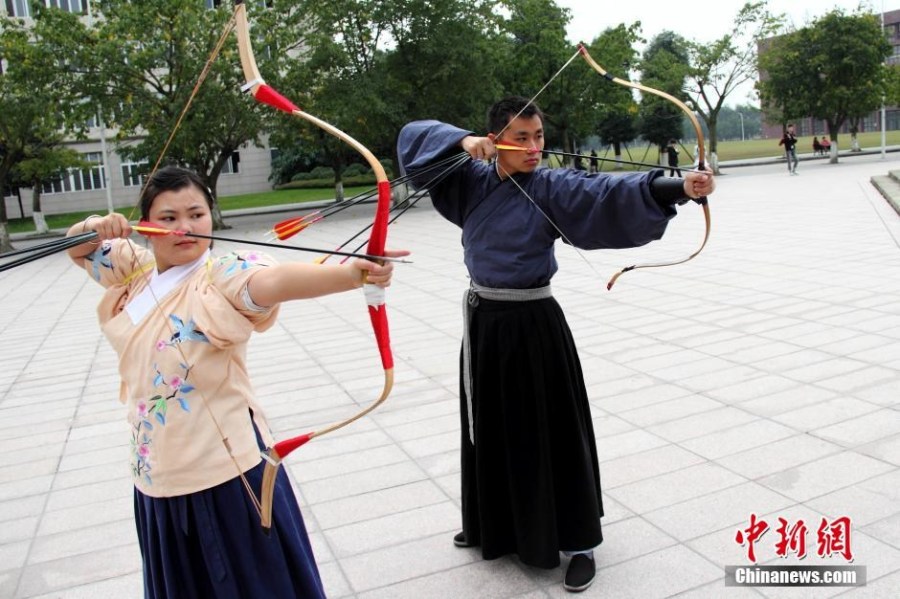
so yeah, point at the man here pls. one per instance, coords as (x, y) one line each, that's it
(789, 141)
(530, 476)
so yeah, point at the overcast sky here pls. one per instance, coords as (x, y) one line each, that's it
(591, 17)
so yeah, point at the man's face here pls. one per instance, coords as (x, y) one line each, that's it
(522, 131)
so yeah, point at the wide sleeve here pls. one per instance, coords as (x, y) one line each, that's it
(224, 309)
(116, 262)
(420, 145)
(601, 211)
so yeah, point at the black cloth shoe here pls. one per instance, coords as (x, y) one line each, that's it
(580, 574)
(460, 540)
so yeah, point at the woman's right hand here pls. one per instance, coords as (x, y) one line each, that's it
(111, 226)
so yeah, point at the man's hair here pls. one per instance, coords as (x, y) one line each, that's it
(171, 178)
(508, 108)
(790, 124)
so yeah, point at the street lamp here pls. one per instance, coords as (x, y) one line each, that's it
(742, 125)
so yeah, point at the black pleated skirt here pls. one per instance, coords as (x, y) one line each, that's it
(531, 481)
(210, 544)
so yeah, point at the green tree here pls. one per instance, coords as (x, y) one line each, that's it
(727, 63)
(38, 102)
(832, 70)
(142, 61)
(664, 67)
(44, 159)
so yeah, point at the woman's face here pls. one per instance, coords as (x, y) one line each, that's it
(184, 209)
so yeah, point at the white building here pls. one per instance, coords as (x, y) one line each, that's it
(113, 181)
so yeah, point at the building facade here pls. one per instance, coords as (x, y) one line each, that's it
(112, 181)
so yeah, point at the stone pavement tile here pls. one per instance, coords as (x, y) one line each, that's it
(669, 410)
(630, 538)
(393, 529)
(823, 476)
(855, 345)
(884, 394)
(824, 369)
(663, 573)
(424, 428)
(451, 485)
(18, 529)
(84, 540)
(674, 487)
(865, 502)
(430, 446)
(417, 413)
(825, 413)
(327, 467)
(887, 529)
(420, 558)
(718, 589)
(887, 450)
(864, 429)
(120, 587)
(29, 468)
(606, 425)
(28, 487)
(631, 399)
(90, 493)
(790, 399)
(439, 464)
(737, 439)
(787, 453)
(630, 383)
(333, 580)
(780, 364)
(85, 516)
(376, 504)
(15, 554)
(884, 587)
(23, 507)
(356, 483)
(115, 469)
(624, 444)
(865, 377)
(71, 572)
(699, 516)
(702, 424)
(765, 353)
(647, 464)
(501, 579)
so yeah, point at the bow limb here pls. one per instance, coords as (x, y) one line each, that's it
(265, 94)
(701, 155)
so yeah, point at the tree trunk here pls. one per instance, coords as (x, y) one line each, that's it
(5, 244)
(712, 158)
(40, 223)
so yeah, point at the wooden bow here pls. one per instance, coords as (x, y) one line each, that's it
(374, 295)
(701, 153)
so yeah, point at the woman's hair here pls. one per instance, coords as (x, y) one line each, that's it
(171, 178)
(508, 108)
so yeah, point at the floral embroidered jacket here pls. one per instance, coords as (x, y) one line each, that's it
(181, 338)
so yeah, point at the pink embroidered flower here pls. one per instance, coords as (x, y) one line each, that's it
(176, 382)
(143, 451)
(251, 257)
(160, 345)
(142, 409)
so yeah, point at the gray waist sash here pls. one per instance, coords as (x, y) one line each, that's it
(470, 300)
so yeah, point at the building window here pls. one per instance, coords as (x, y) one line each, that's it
(76, 6)
(18, 8)
(232, 164)
(133, 173)
(93, 177)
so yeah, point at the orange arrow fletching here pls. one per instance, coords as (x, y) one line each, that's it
(508, 146)
(152, 229)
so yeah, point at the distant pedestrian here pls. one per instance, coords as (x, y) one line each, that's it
(672, 152)
(789, 141)
(594, 161)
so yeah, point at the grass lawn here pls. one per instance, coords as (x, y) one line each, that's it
(727, 150)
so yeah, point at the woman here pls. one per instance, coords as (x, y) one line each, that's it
(179, 320)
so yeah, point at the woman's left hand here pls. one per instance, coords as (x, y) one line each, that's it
(699, 184)
(379, 274)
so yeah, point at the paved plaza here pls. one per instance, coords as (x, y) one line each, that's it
(760, 379)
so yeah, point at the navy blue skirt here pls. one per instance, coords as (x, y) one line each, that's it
(210, 544)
